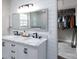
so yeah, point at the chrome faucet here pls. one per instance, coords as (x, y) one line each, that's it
(35, 35)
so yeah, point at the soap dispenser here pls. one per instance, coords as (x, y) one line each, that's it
(24, 34)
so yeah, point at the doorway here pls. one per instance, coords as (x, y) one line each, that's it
(67, 32)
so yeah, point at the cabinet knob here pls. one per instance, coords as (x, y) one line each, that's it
(12, 57)
(12, 51)
(25, 50)
(13, 45)
(3, 44)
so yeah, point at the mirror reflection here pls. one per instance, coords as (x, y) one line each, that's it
(32, 20)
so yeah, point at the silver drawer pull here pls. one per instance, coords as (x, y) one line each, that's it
(12, 51)
(25, 50)
(13, 45)
(12, 57)
(3, 44)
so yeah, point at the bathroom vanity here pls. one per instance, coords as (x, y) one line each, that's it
(17, 47)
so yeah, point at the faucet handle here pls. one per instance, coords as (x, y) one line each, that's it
(40, 37)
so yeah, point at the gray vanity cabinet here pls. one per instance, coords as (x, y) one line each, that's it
(14, 50)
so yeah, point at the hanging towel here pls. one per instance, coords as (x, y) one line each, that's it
(72, 22)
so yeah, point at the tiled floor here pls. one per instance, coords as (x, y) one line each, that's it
(65, 50)
(64, 46)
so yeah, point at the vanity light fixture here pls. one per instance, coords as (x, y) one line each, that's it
(30, 4)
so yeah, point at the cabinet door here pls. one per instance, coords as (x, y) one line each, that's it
(32, 52)
(22, 52)
(27, 52)
(5, 49)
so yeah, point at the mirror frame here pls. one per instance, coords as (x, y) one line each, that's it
(34, 29)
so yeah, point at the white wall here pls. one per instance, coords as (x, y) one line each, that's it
(5, 16)
(65, 4)
(52, 17)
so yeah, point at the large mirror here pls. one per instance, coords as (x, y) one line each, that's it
(36, 20)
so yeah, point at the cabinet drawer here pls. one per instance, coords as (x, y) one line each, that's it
(13, 46)
(13, 52)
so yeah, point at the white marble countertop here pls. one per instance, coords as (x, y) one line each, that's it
(25, 40)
